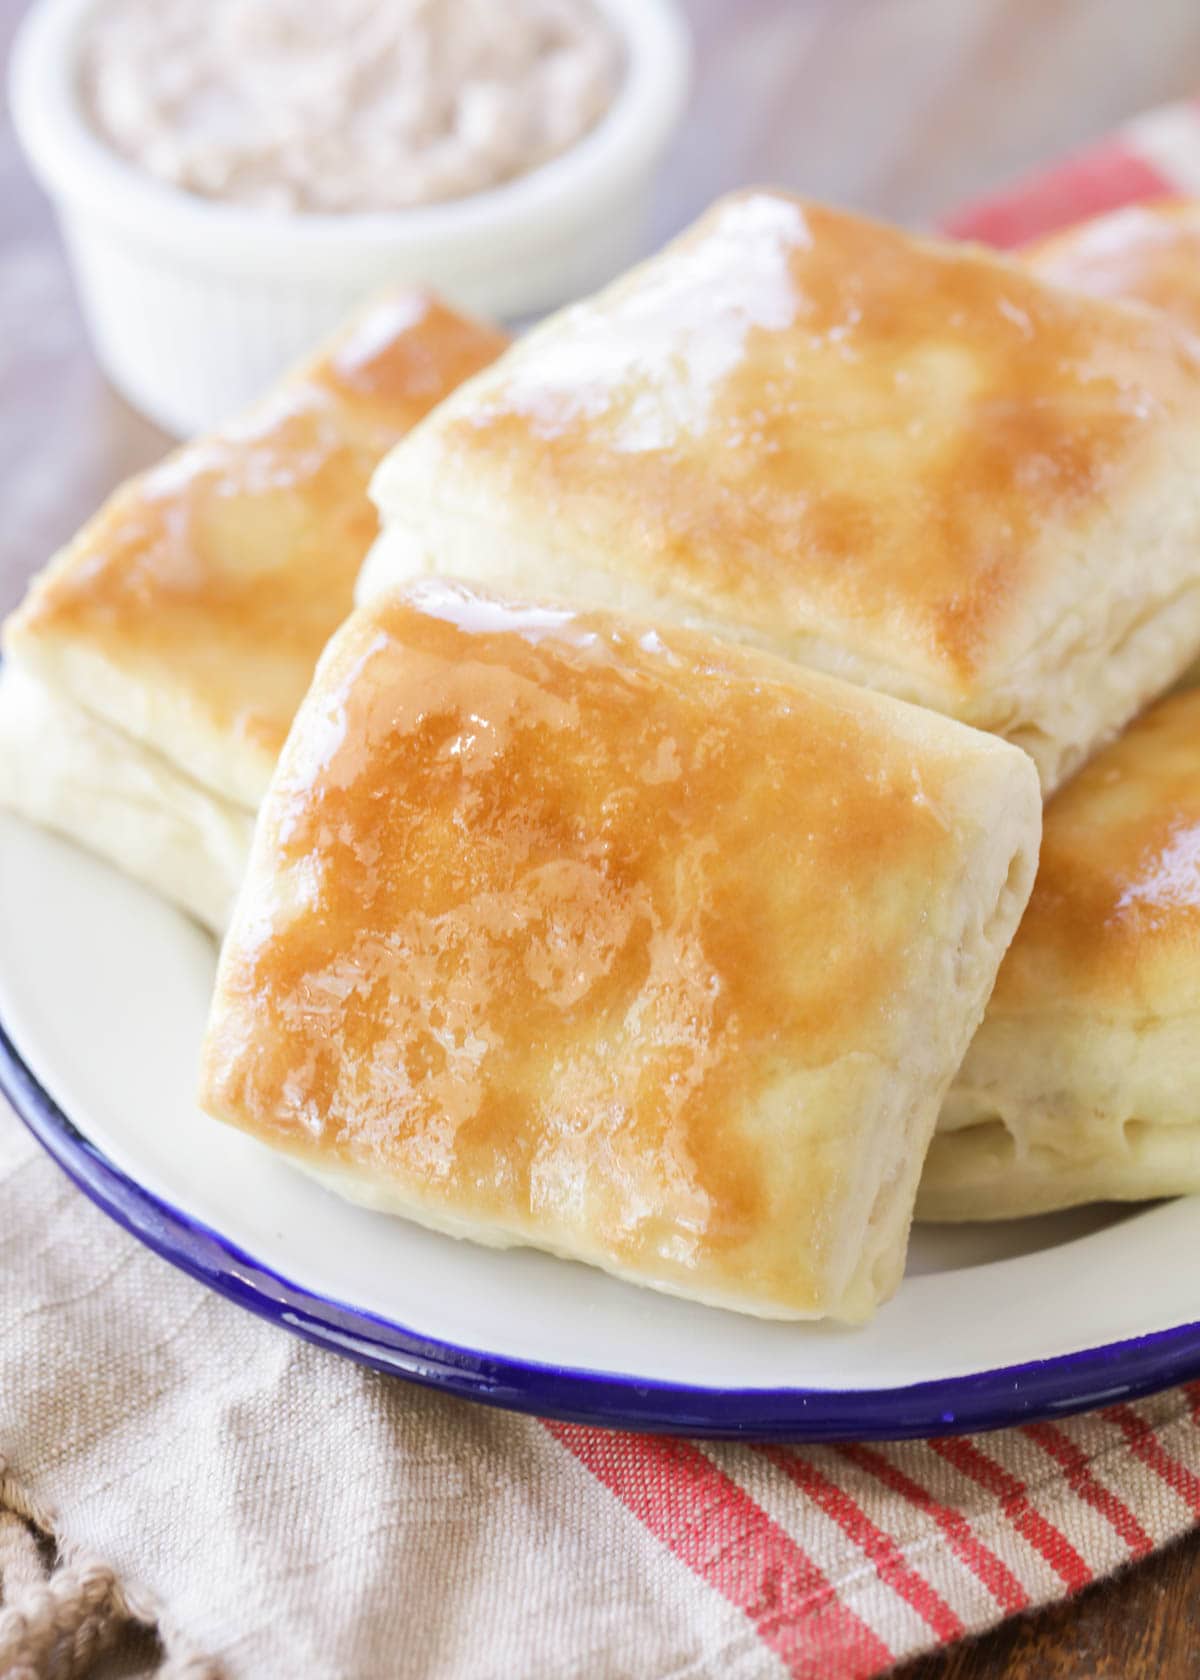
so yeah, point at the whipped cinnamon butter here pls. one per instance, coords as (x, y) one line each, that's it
(345, 105)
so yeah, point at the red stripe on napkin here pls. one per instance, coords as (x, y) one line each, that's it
(1105, 178)
(1145, 1444)
(1082, 1482)
(971, 1460)
(880, 1548)
(987, 1567)
(725, 1537)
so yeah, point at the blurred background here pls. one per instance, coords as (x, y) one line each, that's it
(906, 108)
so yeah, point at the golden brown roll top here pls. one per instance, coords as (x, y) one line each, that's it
(153, 669)
(1147, 252)
(627, 943)
(190, 611)
(1083, 1083)
(908, 462)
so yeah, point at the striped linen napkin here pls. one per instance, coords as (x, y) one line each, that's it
(1154, 156)
(274, 1511)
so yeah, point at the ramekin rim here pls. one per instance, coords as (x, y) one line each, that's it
(74, 164)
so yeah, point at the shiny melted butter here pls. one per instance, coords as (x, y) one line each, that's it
(794, 416)
(485, 615)
(1151, 253)
(1169, 877)
(225, 569)
(545, 908)
(1118, 884)
(648, 388)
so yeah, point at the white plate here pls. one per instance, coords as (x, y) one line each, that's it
(103, 993)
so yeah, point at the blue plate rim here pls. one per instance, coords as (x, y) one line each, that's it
(1075, 1382)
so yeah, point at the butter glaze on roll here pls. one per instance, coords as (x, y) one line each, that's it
(154, 667)
(622, 942)
(1083, 1083)
(906, 462)
(1147, 252)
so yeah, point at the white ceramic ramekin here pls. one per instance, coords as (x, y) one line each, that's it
(195, 306)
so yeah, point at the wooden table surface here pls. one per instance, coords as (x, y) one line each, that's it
(902, 107)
